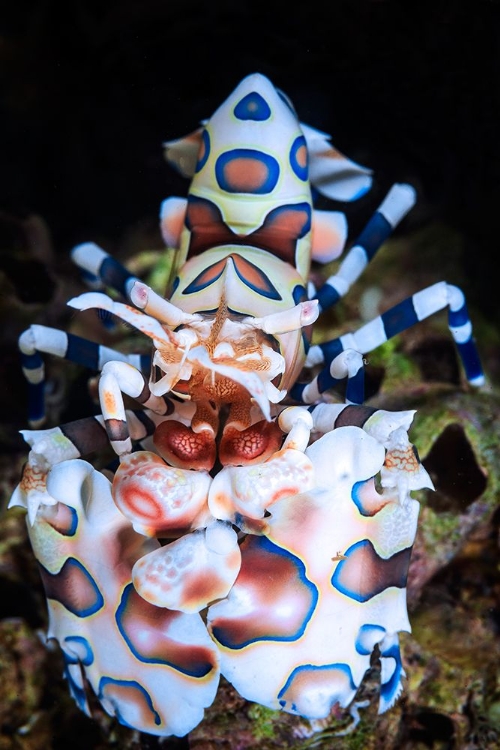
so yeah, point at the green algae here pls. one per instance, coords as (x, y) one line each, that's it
(263, 720)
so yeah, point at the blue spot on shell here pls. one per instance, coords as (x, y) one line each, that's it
(298, 158)
(252, 107)
(378, 573)
(74, 588)
(285, 581)
(335, 679)
(204, 151)
(122, 693)
(144, 629)
(246, 170)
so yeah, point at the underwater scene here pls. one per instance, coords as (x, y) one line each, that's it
(250, 336)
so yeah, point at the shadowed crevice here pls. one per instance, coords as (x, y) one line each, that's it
(457, 476)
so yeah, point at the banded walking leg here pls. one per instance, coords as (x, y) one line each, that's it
(38, 340)
(398, 201)
(83, 436)
(101, 269)
(407, 313)
(379, 423)
(71, 441)
(347, 366)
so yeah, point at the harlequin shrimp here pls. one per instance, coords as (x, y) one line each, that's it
(255, 527)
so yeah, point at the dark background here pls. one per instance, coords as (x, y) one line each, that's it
(89, 90)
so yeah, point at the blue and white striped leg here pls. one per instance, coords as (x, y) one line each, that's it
(398, 201)
(102, 270)
(42, 339)
(347, 366)
(328, 417)
(407, 313)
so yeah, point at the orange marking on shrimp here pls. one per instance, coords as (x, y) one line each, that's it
(331, 153)
(404, 460)
(245, 175)
(33, 478)
(301, 156)
(109, 403)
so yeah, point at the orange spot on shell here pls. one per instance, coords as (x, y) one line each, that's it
(245, 175)
(301, 156)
